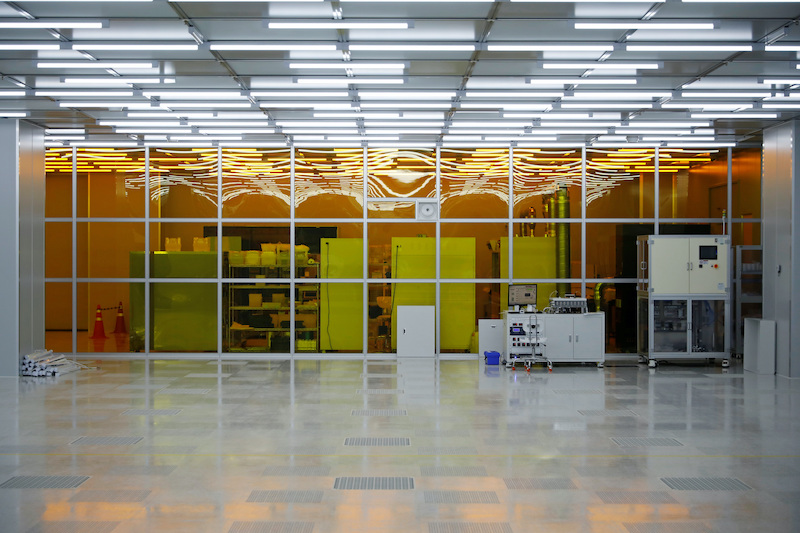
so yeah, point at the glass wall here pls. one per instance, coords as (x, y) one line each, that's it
(311, 251)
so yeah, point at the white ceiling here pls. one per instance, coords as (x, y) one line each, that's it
(466, 95)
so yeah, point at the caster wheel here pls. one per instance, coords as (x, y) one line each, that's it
(600, 365)
(652, 363)
(725, 363)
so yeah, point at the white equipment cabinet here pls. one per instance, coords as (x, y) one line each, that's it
(554, 338)
(416, 331)
(683, 298)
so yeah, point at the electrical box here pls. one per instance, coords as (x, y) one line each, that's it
(670, 264)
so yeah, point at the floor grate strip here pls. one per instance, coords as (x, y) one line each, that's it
(105, 441)
(704, 483)
(377, 441)
(379, 412)
(374, 483)
(155, 412)
(44, 482)
(637, 442)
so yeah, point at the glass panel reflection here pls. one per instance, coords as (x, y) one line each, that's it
(329, 183)
(58, 249)
(183, 183)
(111, 182)
(106, 249)
(746, 177)
(183, 317)
(620, 182)
(692, 183)
(401, 173)
(58, 182)
(110, 317)
(474, 183)
(547, 184)
(58, 317)
(256, 183)
(178, 250)
(256, 317)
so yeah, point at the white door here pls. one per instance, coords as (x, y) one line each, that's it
(590, 342)
(669, 265)
(708, 273)
(416, 331)
(558, 332)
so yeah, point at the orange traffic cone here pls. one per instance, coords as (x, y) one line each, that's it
(119, 327)
(99, 330)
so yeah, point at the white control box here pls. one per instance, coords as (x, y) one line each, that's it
(672, 264)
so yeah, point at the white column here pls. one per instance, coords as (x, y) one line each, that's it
(780, 209)
(22, 238)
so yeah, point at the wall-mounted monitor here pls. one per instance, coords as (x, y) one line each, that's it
(522, 294)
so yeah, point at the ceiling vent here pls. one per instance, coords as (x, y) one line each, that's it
(427, 210)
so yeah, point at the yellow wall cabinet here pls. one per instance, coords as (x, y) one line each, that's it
(341, 304)
(534, 258)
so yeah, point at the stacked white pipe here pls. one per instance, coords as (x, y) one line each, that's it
(46, 363)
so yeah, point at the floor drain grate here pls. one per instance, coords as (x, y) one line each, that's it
(285, 496)
(271, 527)
(44, 482)
(704, 483)
(377, 441)
(448, 471)
(374, 483)
(297, 471)
(460, 496)
(105, 441)
(447, 450)
(379, 412)
(379, 391)
(666, 527)
(635, 497)
(469, 527)
(155, 412)
(606, 412)
(637, 442)
(110, 496)
(83, 526)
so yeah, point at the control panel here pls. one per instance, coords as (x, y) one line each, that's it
(524, 333)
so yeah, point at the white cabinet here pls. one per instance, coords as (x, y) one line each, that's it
(671, 264)
(574, 338)
(416, 331)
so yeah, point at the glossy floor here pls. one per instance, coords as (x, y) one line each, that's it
(413, 446)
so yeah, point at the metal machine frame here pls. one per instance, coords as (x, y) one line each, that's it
(653, 309)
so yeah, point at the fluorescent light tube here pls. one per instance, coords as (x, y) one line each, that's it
(106, 105)
(724, 94)
(315, 123)
(338, 25)
(153, 47)
(96, 64)
(550, 47)
(205, 137)
(625, 130)
(582, 81)
(191, 95)
(780, 106)
(734, 115)
(354, 65)
(52, 24)
(168, 114)
(300, 94)
(210, 131)
(404, 105)
(602, 66)
(412, 47)
(106, 94)
(12, 93)
(362, 137)
(782, 48)
(65, 137)
(150, 130)
(665, 139)
(105, 144)
(140, 123)
(232, 124)
(257, 47)
(646, 25)
(579, 131)
(113, 81)
(64, 131)
(687, 124)
(29, 46)
(512, 94)
(349, 81)
(409, 131)
(688, 48)
(781, 81)
(406, 95)
(293, 131)
(605, 105)
(306, 105)
(402, 124)
(504, 105)
(211, 105)
(326, 114)
(578, 124)
(13, 114)
(705, 105)
(487, 124)
(620, 95)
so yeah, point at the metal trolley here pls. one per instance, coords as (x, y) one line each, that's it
(524, 340)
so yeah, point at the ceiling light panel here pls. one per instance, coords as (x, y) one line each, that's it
(337, 25)
(643, 25)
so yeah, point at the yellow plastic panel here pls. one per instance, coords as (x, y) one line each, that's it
(534, 258)
(341, 317)
(474, 183)
(111, 182)
(382, 253)
(457, 325)
(620, 182)
(256, 183)
(58, 182)
(538, 175)
(183, 317)
(401, 173)
(183, 182)
(486, 240)
(329, 183)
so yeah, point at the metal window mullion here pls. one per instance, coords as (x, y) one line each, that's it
(292, 271)
(438, 250)
(729, 325)
(74, 257)
(657, 195)
(583, 221)
(510, 251)
(220, 322)
(365, 257)
(147, 256)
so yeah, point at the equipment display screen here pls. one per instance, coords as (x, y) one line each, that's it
(516, 331)
(708, 253)
(522, 294)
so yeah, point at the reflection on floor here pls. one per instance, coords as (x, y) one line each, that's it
(408, 446)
